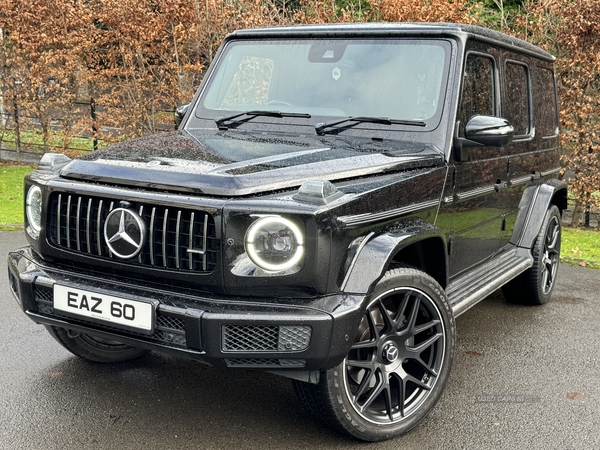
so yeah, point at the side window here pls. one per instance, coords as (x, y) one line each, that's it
(478, 89)
(516, 106)
(545, 104)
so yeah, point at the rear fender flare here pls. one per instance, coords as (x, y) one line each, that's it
(532, 208)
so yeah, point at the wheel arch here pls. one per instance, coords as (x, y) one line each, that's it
(532, 208)
(420, 245)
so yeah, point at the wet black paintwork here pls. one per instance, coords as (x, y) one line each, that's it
(406, 197)
(254, 165)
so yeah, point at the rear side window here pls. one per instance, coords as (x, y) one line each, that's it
(478, 89)
(545, 104)
(516, 107)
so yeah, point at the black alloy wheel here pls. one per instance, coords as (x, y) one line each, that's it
(549, 254)
(397, 366)
(396, 357)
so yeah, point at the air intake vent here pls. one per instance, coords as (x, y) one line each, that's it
(261, 338)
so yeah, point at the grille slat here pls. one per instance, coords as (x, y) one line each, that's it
(77, 224)
(151, 235)
(184, 240)
(58, 218)
(204, 246)
(177, 239)
(112, 205)
(68, 221)
(141, 213)
(191, 237)
(98, 228)
(88, 229)
(164, 237)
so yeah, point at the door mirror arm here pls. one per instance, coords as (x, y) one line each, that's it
(180, 114)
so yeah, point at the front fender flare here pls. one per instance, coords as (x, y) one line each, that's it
(377, 251)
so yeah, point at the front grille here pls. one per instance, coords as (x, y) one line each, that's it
(260, 338)
(178, 239)
(169, 330)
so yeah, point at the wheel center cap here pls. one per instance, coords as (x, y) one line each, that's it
(390, 352)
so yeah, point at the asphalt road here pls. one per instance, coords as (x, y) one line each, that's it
(523, 378)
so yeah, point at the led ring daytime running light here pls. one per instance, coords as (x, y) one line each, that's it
(255, 256)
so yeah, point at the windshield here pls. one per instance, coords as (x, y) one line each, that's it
(401, 79)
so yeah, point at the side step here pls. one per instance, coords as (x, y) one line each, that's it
(474, 286)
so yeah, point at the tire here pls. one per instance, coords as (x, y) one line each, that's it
(535, 285)
(398, 365)
(93, 348)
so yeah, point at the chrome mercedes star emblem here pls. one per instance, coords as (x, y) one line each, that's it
(124, 233)
(390, 352)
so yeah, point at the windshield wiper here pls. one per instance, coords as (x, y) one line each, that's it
(320, 127)
(220, 121)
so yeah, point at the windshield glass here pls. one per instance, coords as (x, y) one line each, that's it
(393, 78)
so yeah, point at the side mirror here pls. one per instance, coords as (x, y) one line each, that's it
(180, 113)
(489, 131)
(482, 131)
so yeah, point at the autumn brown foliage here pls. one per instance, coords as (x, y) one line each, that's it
(139, 59)
(570, 29)
(424, 10)
(39, 58)
(136, 59)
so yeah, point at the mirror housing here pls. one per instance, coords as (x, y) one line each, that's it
(489, 131)
(180, 113)
(482, 131)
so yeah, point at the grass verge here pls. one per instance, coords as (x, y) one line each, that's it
(33, 139)
(11, 195)
(581, 247)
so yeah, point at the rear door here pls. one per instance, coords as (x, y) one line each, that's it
(529, 103)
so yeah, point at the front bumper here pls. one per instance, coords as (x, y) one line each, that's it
(276, 334)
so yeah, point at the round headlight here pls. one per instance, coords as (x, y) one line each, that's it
(33, 208)
(274, 243)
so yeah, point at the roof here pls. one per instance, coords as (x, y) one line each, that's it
(398, 29)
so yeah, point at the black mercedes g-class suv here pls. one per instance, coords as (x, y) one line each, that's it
(334, 198)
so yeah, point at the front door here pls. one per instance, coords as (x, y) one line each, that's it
(473, 210)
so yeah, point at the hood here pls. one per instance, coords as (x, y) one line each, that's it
(235, 164)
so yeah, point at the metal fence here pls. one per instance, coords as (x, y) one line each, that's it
(20, 132)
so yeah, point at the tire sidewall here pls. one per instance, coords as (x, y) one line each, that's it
(355, 424)
(82, 345)
(538, 254)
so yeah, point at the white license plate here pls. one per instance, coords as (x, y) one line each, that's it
(107, 308)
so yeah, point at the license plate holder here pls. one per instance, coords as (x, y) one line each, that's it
(106, 309)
